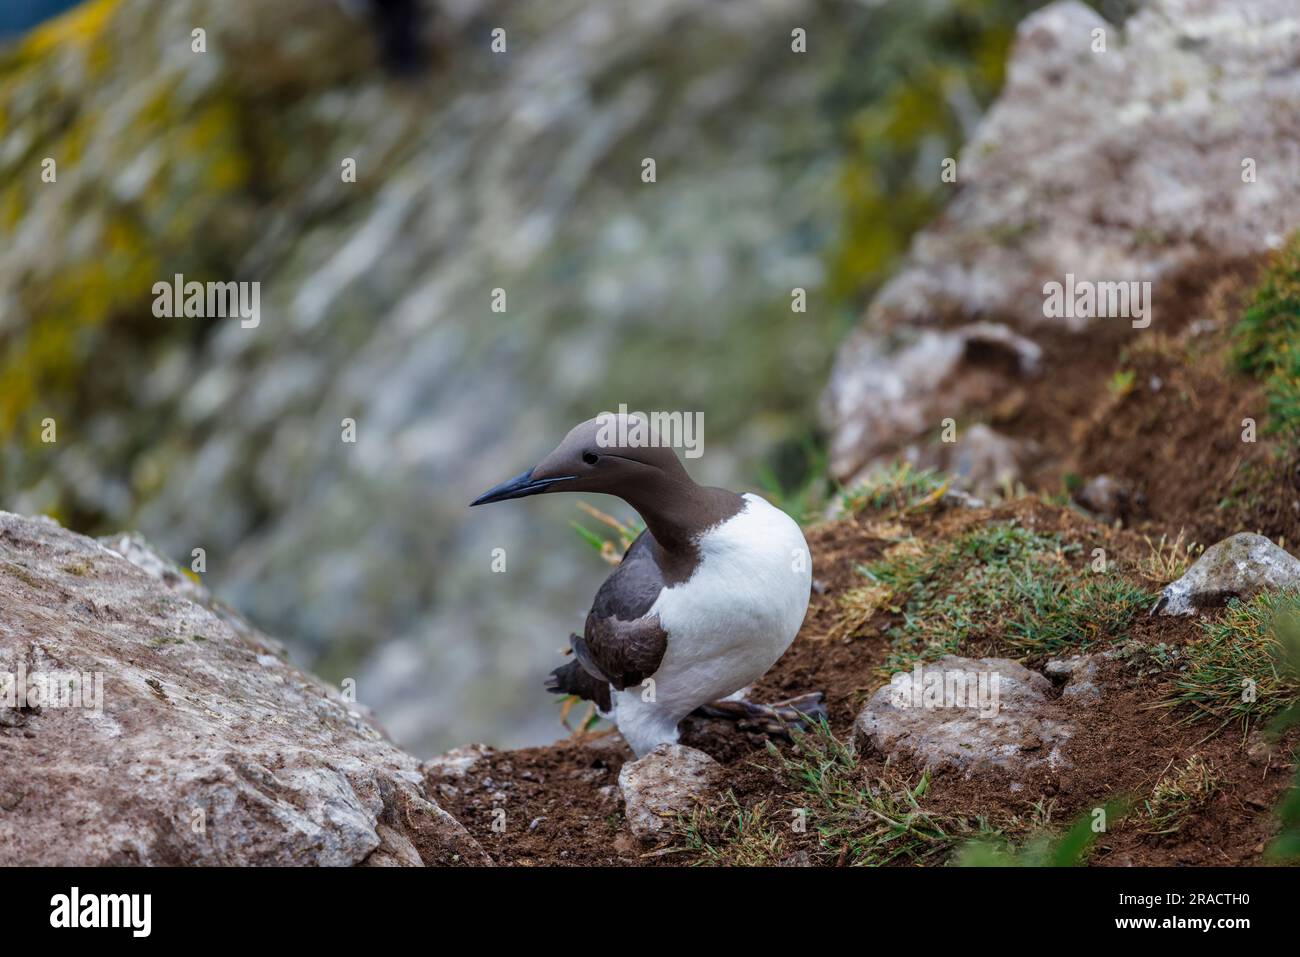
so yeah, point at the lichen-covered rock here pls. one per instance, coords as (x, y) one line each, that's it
(968, 715)
(669, 781)
(1240, 566)
(184, 740)
(1170, 151)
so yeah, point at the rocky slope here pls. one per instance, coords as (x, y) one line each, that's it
(187, 737)
(1168, 158)
(204, 746)
(1101, 708)
(1130, 440)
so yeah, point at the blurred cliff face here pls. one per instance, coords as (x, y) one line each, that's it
(508, 178)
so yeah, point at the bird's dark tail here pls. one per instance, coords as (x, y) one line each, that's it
(574, 679)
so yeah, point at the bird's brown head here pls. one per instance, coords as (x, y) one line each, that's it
(613, 454)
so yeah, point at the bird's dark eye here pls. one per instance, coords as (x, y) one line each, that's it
(591, 458)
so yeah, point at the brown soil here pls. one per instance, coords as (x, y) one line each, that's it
(1174, 439)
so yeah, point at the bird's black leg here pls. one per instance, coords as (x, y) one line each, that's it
(775, 719)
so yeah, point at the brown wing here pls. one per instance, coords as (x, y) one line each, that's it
(624, 653)
(622, 643)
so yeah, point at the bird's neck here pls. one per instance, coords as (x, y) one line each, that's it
(677, 511)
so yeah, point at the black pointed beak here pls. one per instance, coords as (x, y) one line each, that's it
(517, 487)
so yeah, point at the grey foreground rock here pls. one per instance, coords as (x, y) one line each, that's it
(206, 747)
(670, 780)
(1240, 566)
(1013, 730)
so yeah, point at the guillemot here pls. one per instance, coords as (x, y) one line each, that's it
(703, 603)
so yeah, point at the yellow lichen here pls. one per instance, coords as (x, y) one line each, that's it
(78, 28)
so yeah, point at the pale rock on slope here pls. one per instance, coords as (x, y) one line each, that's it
(1125, 165)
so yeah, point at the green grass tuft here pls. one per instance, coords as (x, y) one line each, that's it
(1267, 339)
(1004, 586)
(848, 821)
(857, 823)
(1045, 849)
(733, 835)
(897, 488)
(1286, 846)
(1238, 670)
(1071, 615)
(1180, 793)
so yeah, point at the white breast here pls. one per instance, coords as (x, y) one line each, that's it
(727, 625)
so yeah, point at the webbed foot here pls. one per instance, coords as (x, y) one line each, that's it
(776, 719)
